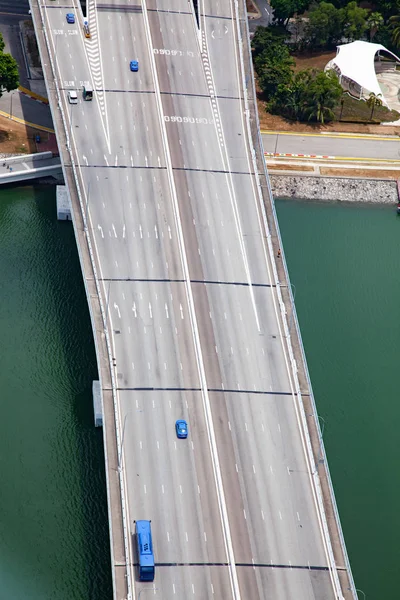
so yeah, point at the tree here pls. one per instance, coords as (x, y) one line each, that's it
(394, 23)
(285, 9)
(274, 72)
(265, 36)
(354, 21)
(373, 101)
(9, 79)
(325, 25)
(375, 21)
(323, 94)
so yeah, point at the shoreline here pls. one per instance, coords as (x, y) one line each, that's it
(335, 189)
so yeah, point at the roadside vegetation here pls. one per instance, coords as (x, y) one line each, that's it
(301, 29)
(9, 79)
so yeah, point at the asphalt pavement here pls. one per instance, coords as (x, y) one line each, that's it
(338, 145)
(176, 223)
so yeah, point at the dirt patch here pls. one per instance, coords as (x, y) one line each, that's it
(313, 61)
(362, 173)
(272, 167)
(252, 9)
(16, 138)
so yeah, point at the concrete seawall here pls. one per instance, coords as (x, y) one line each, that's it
(340, 189)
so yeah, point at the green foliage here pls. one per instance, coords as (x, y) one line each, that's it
(374, 23)
(322, 97)
(2, 44)
(264, 36)
(9, 79)
(354, 21)
(285, 9)
(394, 25)
(325, 26)
(373, 102)
(273, 66)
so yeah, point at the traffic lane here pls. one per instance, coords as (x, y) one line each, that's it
(275, 481)
(177, 55)
(220, 39)
(190, 125)
(23, 107)
(213, 9)
(152, 335)
(281, 582)
(243, 340)
(174, 6)
(187, 581)
(135, 137)
(213, 225)
(14, 7)
(130, 227)
(170, 480)
(125, 40)
(326, 145)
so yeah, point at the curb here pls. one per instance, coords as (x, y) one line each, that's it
(27, 123)
(33, 95)
(280, 154)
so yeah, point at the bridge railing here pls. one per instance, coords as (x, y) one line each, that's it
(98, 289)
(245, 39)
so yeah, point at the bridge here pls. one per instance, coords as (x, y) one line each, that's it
(191, 305)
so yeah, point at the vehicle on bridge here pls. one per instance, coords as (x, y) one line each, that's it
(145, 551)
(70, 18)
(87, 92)
(181, 429)
(86, 29)
(134, 65)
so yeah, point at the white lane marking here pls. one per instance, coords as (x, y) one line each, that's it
(280, 515)
(181, 309)
(113, 228)
(117, 309)
(166, 310)
(150, 311)
(244, 513)
(262, 514)
(134, 309)
(99, 227)
(271, 469)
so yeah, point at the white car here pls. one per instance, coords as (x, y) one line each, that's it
(72, 97)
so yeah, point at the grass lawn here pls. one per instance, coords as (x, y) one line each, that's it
(358, 111)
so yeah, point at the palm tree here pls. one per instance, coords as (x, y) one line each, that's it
(394, 23)
(375, 21)
(373, 101)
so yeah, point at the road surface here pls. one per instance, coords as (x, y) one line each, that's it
(339, 145)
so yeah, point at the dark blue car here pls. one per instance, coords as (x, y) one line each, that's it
(70, 18)
(181, 429)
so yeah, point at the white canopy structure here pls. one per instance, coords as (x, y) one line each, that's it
(356, 62)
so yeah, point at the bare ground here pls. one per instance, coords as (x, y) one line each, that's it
(272, 167)
(362, 173)
(16, 138)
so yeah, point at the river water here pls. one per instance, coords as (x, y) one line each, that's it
(344, 263)
(53, 513)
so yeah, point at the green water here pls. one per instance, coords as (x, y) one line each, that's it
(53, 513)
(344, 261)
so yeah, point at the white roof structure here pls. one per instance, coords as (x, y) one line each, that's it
(356, 62)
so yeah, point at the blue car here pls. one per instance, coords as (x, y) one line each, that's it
(181, 429)
(70, 18)
(134, 65)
